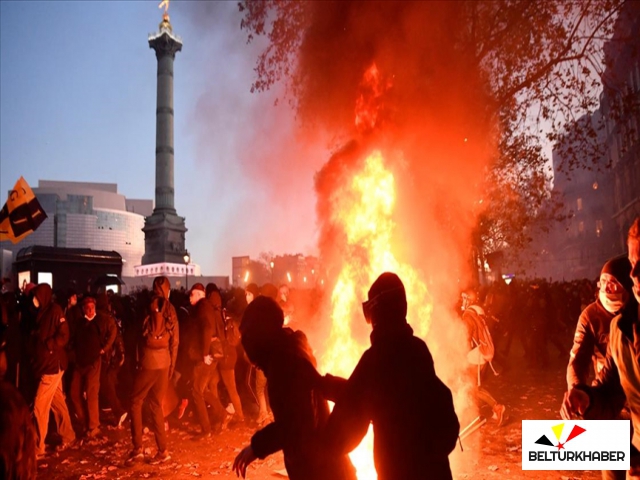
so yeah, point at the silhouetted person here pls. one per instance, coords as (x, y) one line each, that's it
(395, 387)
(95, 333)
(17, 436)
(158, 351)
(481, 353)
(299, 409)
(49, 358)
(205, 376)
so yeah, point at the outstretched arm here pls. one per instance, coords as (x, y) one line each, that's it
(581, 352)
(350, 418)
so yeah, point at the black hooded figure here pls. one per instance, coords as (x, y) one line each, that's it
(299, 409)
(395, 387)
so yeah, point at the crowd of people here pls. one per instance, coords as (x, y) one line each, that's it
(104, 358)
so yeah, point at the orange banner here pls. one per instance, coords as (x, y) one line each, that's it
(22, 214)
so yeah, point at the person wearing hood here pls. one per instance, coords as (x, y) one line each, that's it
(619, 380)
(394, 387)
(300, 411)
(592, 332)
(157, 354)
(49, 357)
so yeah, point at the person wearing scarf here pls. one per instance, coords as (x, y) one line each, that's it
(592, 331)
(619, 379)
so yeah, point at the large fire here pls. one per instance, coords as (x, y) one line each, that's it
(359, 208)
(365, 213)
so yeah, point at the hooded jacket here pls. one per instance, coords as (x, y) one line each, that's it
(300, 412)
(155, 359)
(299, 409)
(395, 387)
(50, 334)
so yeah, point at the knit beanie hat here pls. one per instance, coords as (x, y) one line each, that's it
(619, 268)
(253, 289)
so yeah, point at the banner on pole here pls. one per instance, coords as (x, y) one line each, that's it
(22, 214)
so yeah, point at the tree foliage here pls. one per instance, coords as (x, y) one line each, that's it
(537, 65)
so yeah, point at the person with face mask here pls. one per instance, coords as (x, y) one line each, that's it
(619, 379)
(592, 332)
(394, 386)
(49, 338)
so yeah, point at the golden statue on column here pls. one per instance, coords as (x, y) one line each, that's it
(164, 4)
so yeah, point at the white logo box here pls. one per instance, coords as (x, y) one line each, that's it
(587, 444)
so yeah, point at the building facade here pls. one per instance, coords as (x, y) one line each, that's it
(297, 271)
(89, 215)
(620, 105)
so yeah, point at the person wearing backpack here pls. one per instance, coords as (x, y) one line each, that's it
(395, 387)
(157, 354)
(481, 352)
(227, 365)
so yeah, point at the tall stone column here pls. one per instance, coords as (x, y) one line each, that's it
(164, 229)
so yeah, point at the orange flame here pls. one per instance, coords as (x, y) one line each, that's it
(364, 211)
(369, 102)
(358, 207)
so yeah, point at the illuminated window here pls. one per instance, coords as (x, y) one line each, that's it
(598, 228)
(45, 277)
(579, 205)
(581, 227)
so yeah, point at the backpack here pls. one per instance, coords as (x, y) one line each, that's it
(483, 349)
(231, 332)
(154, 328)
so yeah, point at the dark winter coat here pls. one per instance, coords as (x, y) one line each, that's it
(395, 387)
(203, 327)
(589, 343)
(92, 336)
(299, 412)
(50, 335)
(156, 359)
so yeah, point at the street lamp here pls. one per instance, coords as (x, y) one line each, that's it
(186, 259)
(272, 265)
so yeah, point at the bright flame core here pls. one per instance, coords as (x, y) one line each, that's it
(363, 209)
